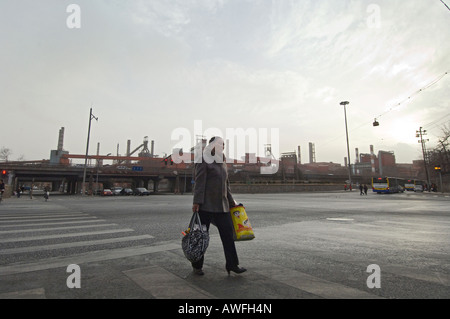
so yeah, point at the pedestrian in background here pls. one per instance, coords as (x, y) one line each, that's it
(2, 187)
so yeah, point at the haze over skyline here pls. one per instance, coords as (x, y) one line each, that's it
(150, 67)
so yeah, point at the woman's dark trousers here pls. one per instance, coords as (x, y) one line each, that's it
(225, 226)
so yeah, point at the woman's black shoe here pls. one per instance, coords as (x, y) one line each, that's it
(236, 270)
(198, 272)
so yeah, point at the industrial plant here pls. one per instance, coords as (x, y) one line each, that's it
(141, 167)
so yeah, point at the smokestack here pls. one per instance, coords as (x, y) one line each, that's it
(357, 155)
(98, 153)
(60, 139)
(372, 159)
(312, 153)
(152, 148)
(128, 151)
(299, 155)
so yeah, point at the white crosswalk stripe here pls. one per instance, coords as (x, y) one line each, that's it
(71, 245)
(54, 223)
(17, 218)
(34, 238)
(17, 231)
(39, 219)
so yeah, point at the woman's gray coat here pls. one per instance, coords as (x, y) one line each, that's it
(212, 188)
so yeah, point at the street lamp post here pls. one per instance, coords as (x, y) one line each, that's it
(421, 133)
(345, 103)
(91, 116)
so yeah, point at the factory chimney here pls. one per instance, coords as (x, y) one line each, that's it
(60, 139)
(312, 153)
(372, 159)
(152, 149)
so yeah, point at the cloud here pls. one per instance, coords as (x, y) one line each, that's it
(148, 67)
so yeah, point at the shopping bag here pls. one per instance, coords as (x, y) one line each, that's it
(195, 240)
(242, 228)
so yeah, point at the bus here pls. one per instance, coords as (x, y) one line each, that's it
(419, 186)
(409, 185)
(414, 185)
(388, 185)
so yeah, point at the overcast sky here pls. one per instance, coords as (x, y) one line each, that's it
(149, 67)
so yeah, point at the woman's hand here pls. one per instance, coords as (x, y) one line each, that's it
(195, 207)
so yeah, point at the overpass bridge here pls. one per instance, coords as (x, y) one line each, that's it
(138, 171)
(154, 173)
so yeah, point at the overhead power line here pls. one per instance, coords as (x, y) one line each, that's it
(413, 94)
(395, 106)
(445, 4)
(436, 123)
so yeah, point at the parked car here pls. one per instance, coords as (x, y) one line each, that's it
(107, 192)
(126, 191)
(116, 190)
(141, 191)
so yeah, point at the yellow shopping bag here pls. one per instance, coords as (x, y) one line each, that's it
(242, 228)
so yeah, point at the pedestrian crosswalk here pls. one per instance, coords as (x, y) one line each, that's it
(44, 237)
(32, 241)
(41, 241)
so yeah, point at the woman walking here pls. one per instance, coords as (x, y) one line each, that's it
(213, 199)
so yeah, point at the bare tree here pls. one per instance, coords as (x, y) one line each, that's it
(440, 155)
(5, 153)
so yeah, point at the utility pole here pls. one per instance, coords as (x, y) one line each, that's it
(421, 133)
(345, 103)
(98, 164)
(91, 116)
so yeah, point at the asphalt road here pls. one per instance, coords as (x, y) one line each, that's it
(307, 246)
